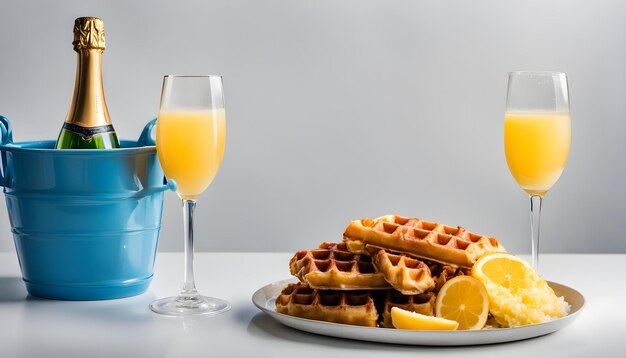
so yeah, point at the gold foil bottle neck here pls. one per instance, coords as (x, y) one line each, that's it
(89, 34)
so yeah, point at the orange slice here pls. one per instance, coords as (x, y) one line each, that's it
(463, 299)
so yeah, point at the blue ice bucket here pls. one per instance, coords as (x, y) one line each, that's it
(85, 222)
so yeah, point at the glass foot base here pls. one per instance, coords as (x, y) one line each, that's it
(190, 306)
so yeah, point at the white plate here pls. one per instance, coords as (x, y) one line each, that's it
(265, 298)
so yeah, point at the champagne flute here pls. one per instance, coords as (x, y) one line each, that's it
(537, 137)
(190, 136)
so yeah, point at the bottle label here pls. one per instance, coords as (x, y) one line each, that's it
(88, 132)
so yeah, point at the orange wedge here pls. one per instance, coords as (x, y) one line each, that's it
(404, 319)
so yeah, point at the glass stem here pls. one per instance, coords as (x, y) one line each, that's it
(189, 286)
(535, 213)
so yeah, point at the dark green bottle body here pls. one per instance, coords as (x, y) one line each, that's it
(72, 140)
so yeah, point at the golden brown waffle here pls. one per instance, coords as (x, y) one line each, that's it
(332, 266)
(442, 273)
(349, 307)
(439, 272)
(420, 238)
(406, 274)
(423, 303)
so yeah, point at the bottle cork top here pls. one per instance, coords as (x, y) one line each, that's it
(89, 34)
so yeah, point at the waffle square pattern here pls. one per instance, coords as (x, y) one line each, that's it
(349, 307)
(332, 266)
(421, 239)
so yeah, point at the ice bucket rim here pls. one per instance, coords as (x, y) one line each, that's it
(47, 146)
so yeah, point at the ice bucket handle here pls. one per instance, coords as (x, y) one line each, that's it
(7, 130)
(148, 138)
(6, 137)
(148, 135)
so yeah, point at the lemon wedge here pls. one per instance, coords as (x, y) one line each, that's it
(463, 299)
(404, 319)
(517, 295)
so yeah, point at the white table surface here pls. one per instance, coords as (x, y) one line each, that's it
(32, 327)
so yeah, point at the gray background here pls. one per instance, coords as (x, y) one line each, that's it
(338, 110)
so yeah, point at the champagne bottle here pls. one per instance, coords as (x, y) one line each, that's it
(88, 125)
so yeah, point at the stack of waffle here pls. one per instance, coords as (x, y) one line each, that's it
(388, 262)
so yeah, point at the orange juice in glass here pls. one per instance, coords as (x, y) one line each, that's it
(191, 147)
(190, 140)
(536, 147)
